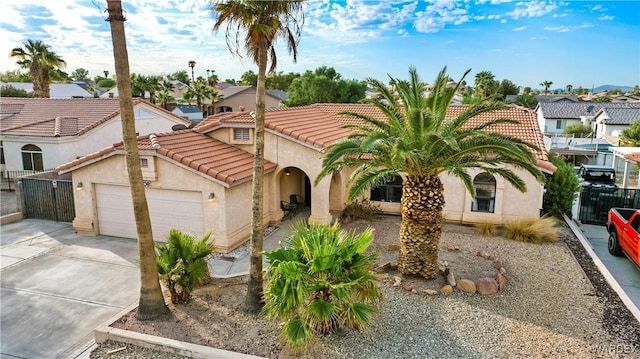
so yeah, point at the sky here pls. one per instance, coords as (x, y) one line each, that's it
(579, 43)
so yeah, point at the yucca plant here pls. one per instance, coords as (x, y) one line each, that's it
(181, 263)
(321, 281)
(533, 230)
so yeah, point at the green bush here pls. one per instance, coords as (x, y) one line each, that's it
(181, 263)
(320, 282)
(561, 188)
(578, 130)
(535, 230)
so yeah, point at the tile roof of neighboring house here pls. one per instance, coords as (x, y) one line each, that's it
(58, 117)
(113, 93)
(634, 157)
(234, 90)
(188, 109)
(620, 115)
(279, 94)
(554, 99)
(55, 90)
(216, 159)
(569, 109)
(319, 125)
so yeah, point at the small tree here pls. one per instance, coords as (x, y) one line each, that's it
(321, 282)
(578, 130)
(631, 135)
(10, 91)
(181, 263)
(561, 188)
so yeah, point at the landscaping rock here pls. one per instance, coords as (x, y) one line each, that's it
(447, 289)
(396, 281)
(407, 287)
(430, 292)
(501, 280)
(487, 285)
(466, 285)
(451, 280)
(383, 268)
(393, 247)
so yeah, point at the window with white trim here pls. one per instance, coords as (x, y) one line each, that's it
(32, 158)
(241, 134)
(485, 187)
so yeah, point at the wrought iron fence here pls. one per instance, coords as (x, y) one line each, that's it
(595, 203)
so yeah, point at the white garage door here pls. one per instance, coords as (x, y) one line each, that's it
(168, 209)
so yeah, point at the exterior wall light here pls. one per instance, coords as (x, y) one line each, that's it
(287, 172)
(211, 198)
(79, 186)
(146, 184)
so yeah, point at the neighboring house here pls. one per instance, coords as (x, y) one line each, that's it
(39, 134)
(199, 179)
(113, 93)
(237, 97)
(613, 118)
(554, 117)
(191, 112)
(625, 98)
(557, 98)
(56, 91)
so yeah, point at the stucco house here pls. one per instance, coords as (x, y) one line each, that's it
(191, 112)
(612, 118)
(554, 117)
(200, 179)
(237, 98)
(37, 134)
(71, 90)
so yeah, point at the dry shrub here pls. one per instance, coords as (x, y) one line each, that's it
(487, 229)
(533, 230)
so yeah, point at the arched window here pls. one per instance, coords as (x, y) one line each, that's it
(391, 191)
(32, 158)
(485, 186)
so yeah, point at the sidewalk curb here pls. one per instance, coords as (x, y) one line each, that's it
(603, 269)
(106, 332)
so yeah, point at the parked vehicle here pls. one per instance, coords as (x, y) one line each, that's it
(600, 177)
(624, 227)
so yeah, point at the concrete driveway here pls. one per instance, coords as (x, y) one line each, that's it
(56, 287)
(625, 273)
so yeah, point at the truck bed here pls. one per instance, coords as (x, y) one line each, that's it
(624, 213)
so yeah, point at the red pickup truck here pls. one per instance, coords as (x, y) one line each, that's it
(624, 225)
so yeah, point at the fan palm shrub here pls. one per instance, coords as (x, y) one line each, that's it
(181, 263)
(320, 282)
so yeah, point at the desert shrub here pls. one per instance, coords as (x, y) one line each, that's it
(487, 229)
(364, 209)
(561, 188)
(533, 230)
(321, 281)
(181, 263)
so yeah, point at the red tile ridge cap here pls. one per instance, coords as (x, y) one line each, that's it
(546, 166)
(154, 141)
(92, 156)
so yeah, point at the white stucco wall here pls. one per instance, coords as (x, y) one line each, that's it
(60, 150)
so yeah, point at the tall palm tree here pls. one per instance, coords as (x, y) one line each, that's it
(151, 303)
(569, 88)
(418, 140)
(40, 60)
(164, 98)
(546, 85)
(254, 26)
(485, 84)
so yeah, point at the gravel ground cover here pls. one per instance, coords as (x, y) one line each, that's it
(553, 306)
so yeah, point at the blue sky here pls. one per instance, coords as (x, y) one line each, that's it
(582, 43)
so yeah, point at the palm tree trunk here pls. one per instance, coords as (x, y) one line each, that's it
(36, 78)
(422, 204)
(151, 302)
(255, 285)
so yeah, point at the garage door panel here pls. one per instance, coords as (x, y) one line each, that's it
(167, 208)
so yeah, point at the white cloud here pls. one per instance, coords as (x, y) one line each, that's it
(521, 28)
(532, 9)
(606, 17)
(439, 14)
(567, 28)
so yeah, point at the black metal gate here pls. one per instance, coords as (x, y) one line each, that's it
(595, 203)
(48, 199)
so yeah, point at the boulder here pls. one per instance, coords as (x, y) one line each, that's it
(451, 280)
(501, 280)
(487, 285)
(430, 292)
(447, 289)
(466, 285)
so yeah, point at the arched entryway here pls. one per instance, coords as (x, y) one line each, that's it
(295, 187)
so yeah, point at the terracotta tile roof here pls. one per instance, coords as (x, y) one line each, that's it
(319, 125)
(634, 157)
(202, 153)
(59, 117)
